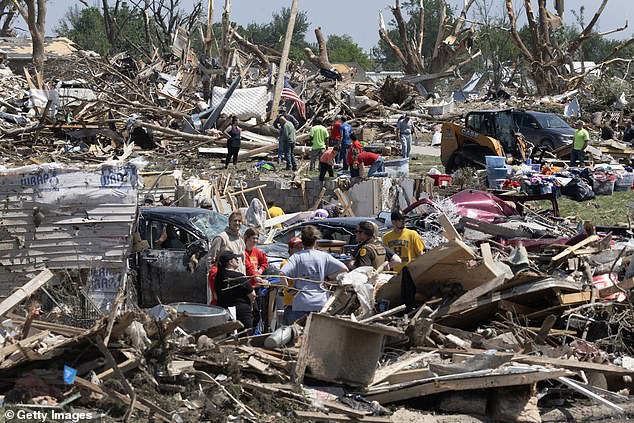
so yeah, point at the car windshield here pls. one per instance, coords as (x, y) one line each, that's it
(551, 121)
(211, 224)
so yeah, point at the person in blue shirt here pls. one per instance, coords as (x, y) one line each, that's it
(346, 132)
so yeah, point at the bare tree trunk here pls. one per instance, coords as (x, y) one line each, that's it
(35, 18)
(446, 59)
(244, 43)
(322, 61)
(7, 10)
(546, 58)
(208, 31)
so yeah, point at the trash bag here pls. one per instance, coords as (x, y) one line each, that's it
(578, 190)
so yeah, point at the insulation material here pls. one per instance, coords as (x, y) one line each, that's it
(244, 103)
(65, 218)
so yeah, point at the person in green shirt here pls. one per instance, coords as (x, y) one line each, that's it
(581, 138)
(287, 140)
(318, 137)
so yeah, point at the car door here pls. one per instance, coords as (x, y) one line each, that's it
(164, 275)
(528, 126)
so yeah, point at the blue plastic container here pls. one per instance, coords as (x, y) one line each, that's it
(495, 161)
(497, 173)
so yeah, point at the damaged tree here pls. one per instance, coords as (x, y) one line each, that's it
(449, 48)
(7, 15)
(35, 18)
(551, 62)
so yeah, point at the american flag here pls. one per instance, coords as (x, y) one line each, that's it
(287, 92)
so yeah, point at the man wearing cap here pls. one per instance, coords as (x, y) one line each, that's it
(294, 245)
(581, 138)
(404, 129)
(370, 251)
(404, 242)
(308, 269)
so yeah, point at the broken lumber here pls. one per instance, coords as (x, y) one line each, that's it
(25, 291)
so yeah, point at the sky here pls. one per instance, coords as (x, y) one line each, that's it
(359, 18)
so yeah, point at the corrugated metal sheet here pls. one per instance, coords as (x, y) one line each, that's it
(64, 218)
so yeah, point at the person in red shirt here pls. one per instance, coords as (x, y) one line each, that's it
(374, 161)
(355, 149)
(335, 132)
(254, 256)
(327, 162)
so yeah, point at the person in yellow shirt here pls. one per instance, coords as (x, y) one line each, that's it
(404, 242)
(294, 245)
(275, 211)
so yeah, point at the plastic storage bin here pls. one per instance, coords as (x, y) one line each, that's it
(495, 161)
(624, 182)
(603, 187)
(399, 167)
(497, 173)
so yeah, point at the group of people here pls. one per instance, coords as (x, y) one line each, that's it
(581, 138)
(344, 151)
(239, 265)
(612, 131)
(334, 147)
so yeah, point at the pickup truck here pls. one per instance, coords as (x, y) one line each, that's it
(163, 272)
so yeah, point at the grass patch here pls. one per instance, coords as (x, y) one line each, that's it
(604, 210)
(419, 164)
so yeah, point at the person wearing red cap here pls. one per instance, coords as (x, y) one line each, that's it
(294, 245)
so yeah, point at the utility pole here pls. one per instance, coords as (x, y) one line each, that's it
(210, 22)
(279, 83)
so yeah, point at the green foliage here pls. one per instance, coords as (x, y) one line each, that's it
(272, 34)
(343, 49)
(384, 56)
(86, 28)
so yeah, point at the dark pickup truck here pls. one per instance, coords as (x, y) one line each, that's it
(163, 273)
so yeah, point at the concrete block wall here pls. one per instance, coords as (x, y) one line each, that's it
(289, 198)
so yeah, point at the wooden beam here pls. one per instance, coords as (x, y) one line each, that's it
(565, 253)
(25, 291)
(279, 82)
(466, 383)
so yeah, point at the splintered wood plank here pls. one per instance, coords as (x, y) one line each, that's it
(466, 383)
(25, 291)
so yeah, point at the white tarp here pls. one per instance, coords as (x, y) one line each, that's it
(245, 103)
